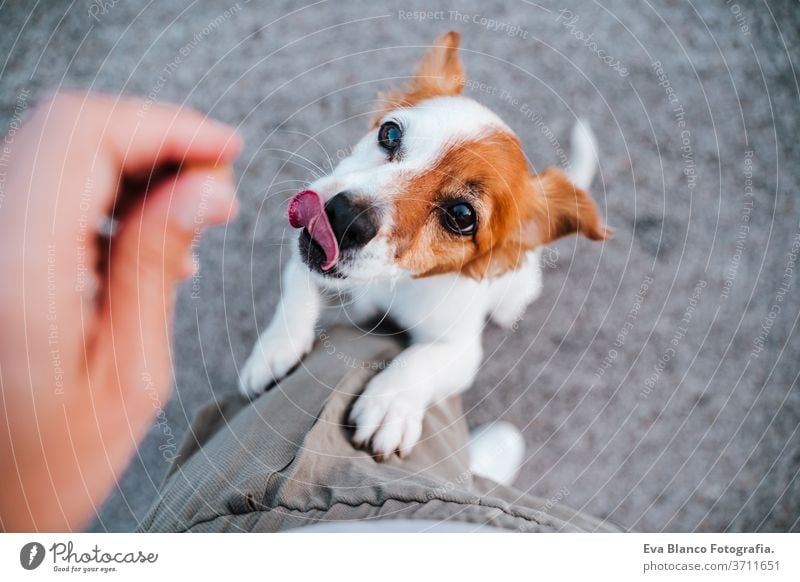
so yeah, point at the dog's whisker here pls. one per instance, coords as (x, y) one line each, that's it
(310, 138)
(292, 155)
(296, 185)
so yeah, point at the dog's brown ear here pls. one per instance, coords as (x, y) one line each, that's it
(439, 74)
(563, 209)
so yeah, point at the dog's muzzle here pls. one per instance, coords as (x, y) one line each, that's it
(331, 230)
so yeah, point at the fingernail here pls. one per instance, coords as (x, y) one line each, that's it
(190, 266)
(206, 199)
(234, 140)
(221, 127)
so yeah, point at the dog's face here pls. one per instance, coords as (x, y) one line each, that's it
(439, 185)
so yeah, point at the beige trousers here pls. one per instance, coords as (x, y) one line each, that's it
(285, 461)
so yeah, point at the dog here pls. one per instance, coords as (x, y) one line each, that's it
(436, 221)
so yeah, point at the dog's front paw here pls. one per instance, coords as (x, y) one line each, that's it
(271, 360)
(387, 419)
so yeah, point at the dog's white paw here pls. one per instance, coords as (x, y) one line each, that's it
(271, 359)
(387, 419)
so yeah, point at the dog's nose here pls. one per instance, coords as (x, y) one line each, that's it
(353, 222)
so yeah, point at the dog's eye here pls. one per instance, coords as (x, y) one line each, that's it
(460, 218)
(389, 136)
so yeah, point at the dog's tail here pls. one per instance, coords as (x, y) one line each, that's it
(584, 155)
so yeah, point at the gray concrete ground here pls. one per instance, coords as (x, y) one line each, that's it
(655, 382)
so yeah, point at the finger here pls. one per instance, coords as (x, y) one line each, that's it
(148, 257)
(139, 134)
(167, 133)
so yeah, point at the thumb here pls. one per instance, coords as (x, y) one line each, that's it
(149, 256)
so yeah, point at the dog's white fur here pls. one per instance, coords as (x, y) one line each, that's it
(444, 314)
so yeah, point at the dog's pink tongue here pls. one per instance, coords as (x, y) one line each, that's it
(306, 210)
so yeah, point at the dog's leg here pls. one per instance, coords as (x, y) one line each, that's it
(289, 335)
(388, 414)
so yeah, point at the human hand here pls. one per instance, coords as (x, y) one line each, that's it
(85, 343)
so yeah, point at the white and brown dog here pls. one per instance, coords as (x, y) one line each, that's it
(435, 220)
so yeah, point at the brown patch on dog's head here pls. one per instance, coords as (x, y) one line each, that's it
(439, 74)
(516, 212)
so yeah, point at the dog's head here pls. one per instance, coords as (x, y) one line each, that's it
(439, 185)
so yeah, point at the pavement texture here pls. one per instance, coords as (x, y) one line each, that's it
(655, 380)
